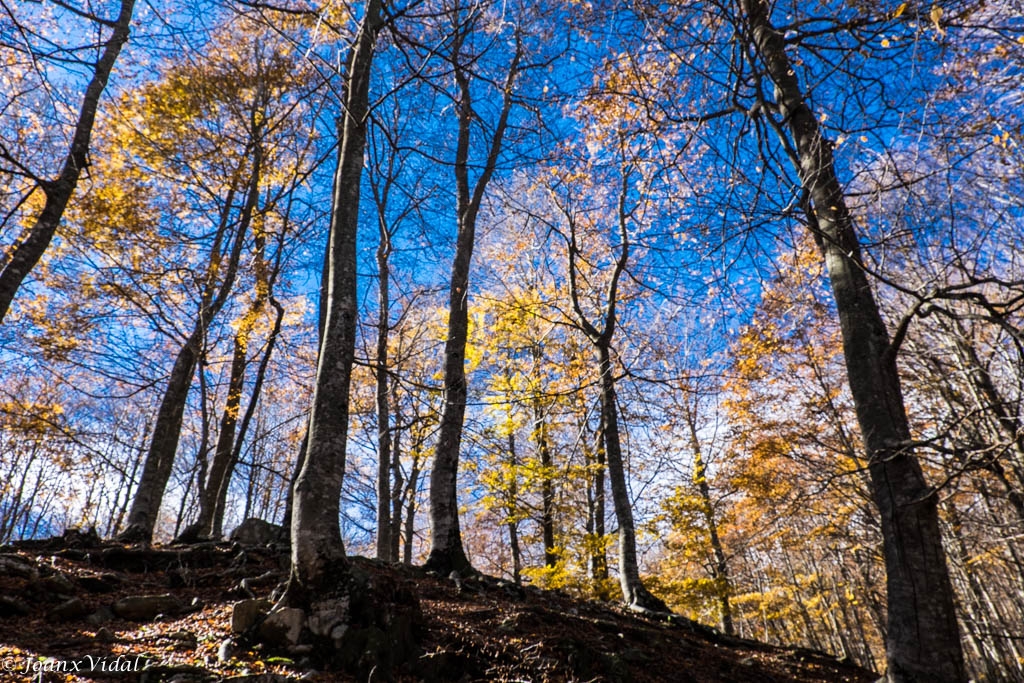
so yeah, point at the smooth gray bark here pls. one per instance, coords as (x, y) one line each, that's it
(923, 640)
(316, 545)
(446, 550)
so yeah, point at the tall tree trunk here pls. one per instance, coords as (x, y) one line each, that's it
(397, 480)
(316, 543)
(720, 570)
(634, 593)
(58, 192)
(410, 514)
(384, 465)
(156, 471)
(220, 466)
(220, 504)
(213, 498)
(157, 467)
(547, 484)
(923, 640)
(596, 512)
(446, 551)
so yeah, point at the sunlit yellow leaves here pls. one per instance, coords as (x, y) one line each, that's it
(935, 14)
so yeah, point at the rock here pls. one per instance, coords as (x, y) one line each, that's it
(99, 583)
(327, 613)
(146, 607)
(191, 534)
(100, 616)
(57, 583)
(13, 565)
(13, 607)
(70, 610)
(76, 538)
(246, 613)
(283, 627)
(255, 531)
(184, 637)
(226, 651)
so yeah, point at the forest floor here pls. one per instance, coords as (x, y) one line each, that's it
(77, 609)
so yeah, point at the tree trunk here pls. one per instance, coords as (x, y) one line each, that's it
(634, 593)
(410, 514)
(221, 465)
(316, 544)
(58, 192)
(398, 483)
(446, 551)
(510, 507)
(547, 484)
(156, 471)
(384, 544)
(923, 640)
(595, 518)
(720, 570)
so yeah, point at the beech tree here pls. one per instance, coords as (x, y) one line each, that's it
(446, 551)
(236, 182)
(600, 330)
(316, 544)
(923, 640)
(57, 190)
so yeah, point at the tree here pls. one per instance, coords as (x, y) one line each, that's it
(446, 551)
(923, 640)
(601, 334)
(234, 179)
(57, 191)
(316, 546)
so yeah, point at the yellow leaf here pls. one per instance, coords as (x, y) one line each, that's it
(900, 10)
(936, 15)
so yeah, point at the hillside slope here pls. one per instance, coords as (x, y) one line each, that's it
(77, 609)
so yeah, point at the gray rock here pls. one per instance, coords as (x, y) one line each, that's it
(283, 627)
(57, 583)
(13, 565)
(100, 616)
(255, 531)
(227, 650)
(246, 613)
(70, 610)
(146, 607)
